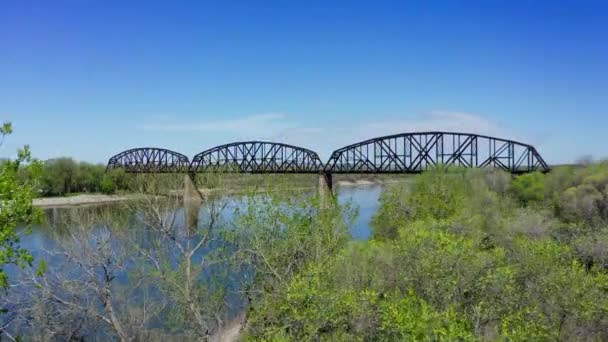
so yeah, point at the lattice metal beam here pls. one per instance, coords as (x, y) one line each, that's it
(149, 160)
(257, 157)
(416, 152)
(400, 153)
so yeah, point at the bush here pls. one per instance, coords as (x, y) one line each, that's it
(438, 194)
(529, 187)
(456, 257)
(59, 177)
(394, 211)
(107, 185)
(580, 203)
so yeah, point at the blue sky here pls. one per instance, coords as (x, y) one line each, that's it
(88, 79)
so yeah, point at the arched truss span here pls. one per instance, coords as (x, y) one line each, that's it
(257, 157)
(416, 152)
(150, 160)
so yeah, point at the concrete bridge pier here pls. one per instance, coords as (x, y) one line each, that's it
(193, 200)
(325, 183)
(325, 188)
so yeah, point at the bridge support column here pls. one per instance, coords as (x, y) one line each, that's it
(325, 189)
(192, 203)
(325, 184)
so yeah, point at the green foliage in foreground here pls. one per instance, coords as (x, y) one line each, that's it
(15, 207)
(460, 255)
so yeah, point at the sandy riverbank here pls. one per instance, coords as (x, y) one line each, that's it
(85, 199)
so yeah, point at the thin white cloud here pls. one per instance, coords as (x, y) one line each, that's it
(438, 120)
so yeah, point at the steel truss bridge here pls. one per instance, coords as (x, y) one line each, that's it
(400, 153)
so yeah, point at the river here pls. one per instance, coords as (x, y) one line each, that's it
(48, 242)
(363, 197)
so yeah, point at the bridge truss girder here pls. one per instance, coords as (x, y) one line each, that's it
(416, 152)
(400, 153)
(150, 160)
(257, 157)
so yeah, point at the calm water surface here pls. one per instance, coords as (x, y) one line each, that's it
(363, 197)
(45, 238)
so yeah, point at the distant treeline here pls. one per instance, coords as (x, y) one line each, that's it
(64, 176)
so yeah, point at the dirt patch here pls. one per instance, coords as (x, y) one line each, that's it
(232, 331)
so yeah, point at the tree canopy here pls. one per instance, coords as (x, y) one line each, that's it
(16, 210)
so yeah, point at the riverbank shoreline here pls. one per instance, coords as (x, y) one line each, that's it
(99, 199)
(80, 200)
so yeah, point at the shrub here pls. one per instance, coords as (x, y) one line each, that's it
(580, 203)
(456, 257)
(529, 187)
(107, 185)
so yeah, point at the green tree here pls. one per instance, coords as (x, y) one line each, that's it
(439, 193)
(58, 176)
(16, 207)
(107, 185)
(455, 257)
(89, 178)
(530, 187)
(63, 176)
